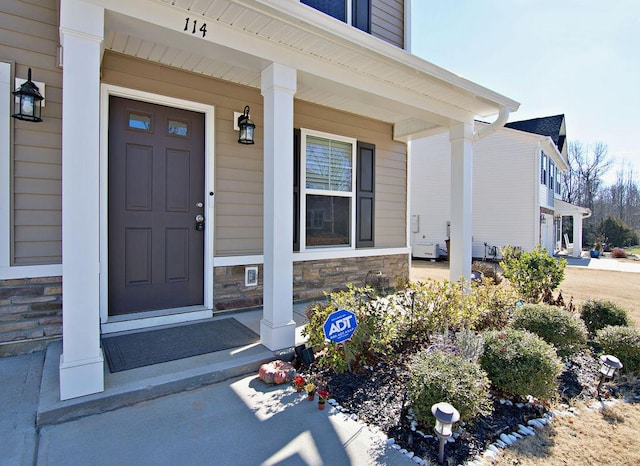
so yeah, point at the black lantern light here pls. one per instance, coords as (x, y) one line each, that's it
(246, 127)
(28, 102)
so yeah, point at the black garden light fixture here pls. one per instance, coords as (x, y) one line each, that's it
(28, 101)
(609, 365)
(246, 127)
(446, 415)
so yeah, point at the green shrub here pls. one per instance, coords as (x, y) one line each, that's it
(623, 343)
(438, 376)
(494, 303)
(382, 323)
(598, 314)
(554, 325)
(520, 363)
(442, 305)
(533, 273)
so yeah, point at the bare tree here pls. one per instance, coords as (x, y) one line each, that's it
(587, 166)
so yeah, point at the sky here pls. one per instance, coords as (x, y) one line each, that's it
(580, 58)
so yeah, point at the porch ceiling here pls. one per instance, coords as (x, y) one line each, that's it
(338, 65)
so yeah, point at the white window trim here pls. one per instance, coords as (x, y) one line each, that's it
(304, 191)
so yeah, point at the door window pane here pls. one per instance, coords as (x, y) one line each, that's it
(178, 128)
(140, 121)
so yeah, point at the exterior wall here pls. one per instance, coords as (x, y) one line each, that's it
(504, 206)
(239, 169)
(311, 279)
(29, 38)
(387, 21)
(30, 314)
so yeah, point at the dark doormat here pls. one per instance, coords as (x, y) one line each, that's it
(124, 352)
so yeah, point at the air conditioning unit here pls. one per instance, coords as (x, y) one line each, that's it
(425, 250)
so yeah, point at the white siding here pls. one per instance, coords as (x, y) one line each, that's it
(505, 208)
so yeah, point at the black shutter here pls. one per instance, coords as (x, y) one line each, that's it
(362, 15)
(365, 195)
(296, 189)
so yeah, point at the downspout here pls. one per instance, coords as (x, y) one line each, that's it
(503, 116)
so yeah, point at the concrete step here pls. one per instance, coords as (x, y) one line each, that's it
(133, 386)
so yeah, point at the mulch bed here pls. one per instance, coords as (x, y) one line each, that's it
(377, 395)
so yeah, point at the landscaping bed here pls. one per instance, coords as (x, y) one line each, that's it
(377, 396)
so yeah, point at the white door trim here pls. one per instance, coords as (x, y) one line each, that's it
(107, 90)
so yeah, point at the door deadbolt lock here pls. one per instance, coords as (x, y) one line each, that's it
(199, 222)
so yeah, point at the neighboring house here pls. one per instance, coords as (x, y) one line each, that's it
(516, 190)
(138, 142)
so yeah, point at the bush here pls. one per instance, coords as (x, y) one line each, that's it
(598, 314)
(618, 253)
(533, 273)
(488, 269)
(554, 325)
(520, 363)
(623, 343)
(495, 304)
(438, 376)
(440, 306)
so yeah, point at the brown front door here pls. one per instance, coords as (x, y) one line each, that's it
(156, 190)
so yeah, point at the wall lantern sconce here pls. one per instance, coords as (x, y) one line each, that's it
(543, 219)
(446, 415)
(245, 128)
(28, 101)
(609, 366)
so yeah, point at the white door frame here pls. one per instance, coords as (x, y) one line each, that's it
(152, 318)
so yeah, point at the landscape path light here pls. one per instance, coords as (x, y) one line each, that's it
(609, 365)
(446, 415)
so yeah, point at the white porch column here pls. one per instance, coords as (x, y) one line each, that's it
(81, 35)
(277, 327)
(577, 235)
(461, 138)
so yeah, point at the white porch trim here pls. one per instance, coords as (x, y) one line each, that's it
(461, 138)
(564, 209)
(277, 327)
(81, 362)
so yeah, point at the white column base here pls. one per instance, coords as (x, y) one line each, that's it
(80, 378)
(280, 337)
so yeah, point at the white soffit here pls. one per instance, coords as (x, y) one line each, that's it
(339, 66)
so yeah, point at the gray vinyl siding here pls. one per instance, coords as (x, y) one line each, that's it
(29, 39)
(238, 219)
(387, 21)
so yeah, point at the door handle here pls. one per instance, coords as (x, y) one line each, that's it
(200, 222)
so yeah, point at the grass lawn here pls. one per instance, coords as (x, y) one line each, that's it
(602, 437)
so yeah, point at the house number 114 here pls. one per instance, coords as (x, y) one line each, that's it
(195, 28)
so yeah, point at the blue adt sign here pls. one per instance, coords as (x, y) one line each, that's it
(340, 326)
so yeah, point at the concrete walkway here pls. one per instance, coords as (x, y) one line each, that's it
(603, 263)
(237, 421)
